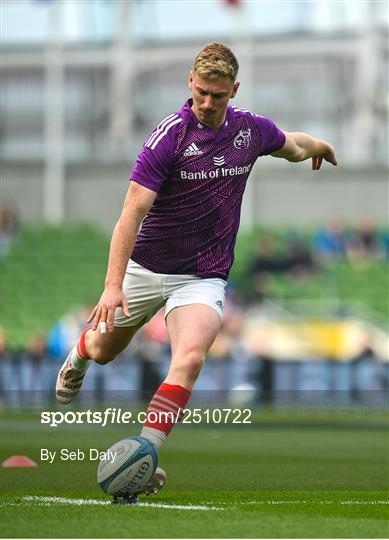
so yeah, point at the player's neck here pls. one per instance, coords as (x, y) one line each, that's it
(215, 124)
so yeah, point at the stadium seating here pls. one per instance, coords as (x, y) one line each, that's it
(51, 270)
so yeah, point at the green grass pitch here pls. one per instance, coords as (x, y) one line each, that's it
(291, 474)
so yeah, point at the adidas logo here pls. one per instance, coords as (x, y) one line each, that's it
(192, 150)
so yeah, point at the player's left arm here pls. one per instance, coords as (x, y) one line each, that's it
(301, 146)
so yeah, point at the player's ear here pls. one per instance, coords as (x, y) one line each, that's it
(190, 80)
(235, 89)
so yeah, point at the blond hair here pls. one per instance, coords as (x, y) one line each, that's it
(216, 60)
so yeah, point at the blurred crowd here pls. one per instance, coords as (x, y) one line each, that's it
(364, 240)
(300, 258)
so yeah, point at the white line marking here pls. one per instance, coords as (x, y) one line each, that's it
(179, 506)
(359, 502)
(48, 501)
(350, 502)
(63, 500)
(101, 502)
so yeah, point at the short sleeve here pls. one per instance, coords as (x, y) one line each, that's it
(154, 162)
(272, 137)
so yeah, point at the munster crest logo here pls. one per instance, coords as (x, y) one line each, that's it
(243, 139)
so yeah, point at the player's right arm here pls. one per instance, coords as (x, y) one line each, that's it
(138, 202)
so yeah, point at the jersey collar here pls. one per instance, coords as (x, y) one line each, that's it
(187, 112)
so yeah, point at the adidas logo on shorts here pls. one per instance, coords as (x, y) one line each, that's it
(192, 150)
(219, 303)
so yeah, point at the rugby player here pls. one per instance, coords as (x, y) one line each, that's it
(173, 244)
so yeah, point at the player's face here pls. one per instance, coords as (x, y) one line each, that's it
(211, 97)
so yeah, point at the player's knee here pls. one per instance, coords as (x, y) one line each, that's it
(102, 356)
(103, 361)
(191, 363)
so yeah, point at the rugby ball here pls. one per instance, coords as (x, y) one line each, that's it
(127, 467)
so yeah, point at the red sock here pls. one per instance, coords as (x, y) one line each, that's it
(81, 350)
(169, 398)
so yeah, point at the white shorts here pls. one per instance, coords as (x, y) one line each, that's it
(147, 292)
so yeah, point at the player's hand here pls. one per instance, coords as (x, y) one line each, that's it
(327, 153)
(104, 312)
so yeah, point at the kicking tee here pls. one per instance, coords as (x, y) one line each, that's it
(200, 176)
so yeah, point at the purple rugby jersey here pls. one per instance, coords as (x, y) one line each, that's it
(200, 176)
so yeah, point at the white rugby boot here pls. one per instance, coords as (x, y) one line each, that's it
(156, 483)
(70, 377)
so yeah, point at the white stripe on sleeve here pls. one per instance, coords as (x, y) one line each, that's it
(164, 132)
(159, 128)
